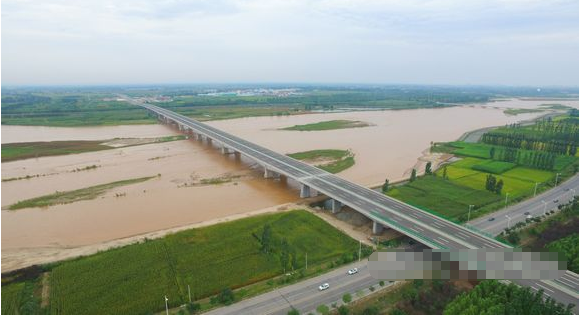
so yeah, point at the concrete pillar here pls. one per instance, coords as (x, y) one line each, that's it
(209, 140)
(268, 173)
(333, 205)
(377, 227)
(225, 150)
(305, 191)
(199, 137)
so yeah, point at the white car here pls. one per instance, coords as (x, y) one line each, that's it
(353, 271)
(323, 286)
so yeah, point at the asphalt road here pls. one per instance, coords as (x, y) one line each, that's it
(534, 206)
(428, 229)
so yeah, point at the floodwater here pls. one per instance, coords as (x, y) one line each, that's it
(387, 149)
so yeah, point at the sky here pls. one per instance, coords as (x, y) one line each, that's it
(488, 42)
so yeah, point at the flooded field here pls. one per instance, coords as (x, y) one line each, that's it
(388, 149)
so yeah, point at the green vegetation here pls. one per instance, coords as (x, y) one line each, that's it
(27, 150)
(517, 111)
(445, 197)
(323, 309)
(212, 260)
(558, 232)
(332, 161)
(329, 125)
(74, 195)
(568, 246)
(487, 173)
(493, 297)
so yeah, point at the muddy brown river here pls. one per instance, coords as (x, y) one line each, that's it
(387, 149)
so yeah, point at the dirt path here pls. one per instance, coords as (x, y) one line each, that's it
(45, 290)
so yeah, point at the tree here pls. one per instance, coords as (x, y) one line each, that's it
(343, 310)
(492, 151)
(293, 311)
(397, 311)
(347, 298)
(385, 186)
(428, 170)
(498, 188)
(226, 297)
(193, 307)
(266, 239)
(413, 176)
(284, 254)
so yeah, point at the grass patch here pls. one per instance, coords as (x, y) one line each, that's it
(74, 195)
(333, 161)
(494, 167)
(132, 279)
(329, 125)
(444, 197)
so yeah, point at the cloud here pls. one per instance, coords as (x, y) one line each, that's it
(55, 42)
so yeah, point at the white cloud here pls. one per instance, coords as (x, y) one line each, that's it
(412, 41)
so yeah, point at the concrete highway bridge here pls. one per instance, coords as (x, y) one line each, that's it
(384, 211)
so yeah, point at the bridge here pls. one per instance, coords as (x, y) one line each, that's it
(384, 211)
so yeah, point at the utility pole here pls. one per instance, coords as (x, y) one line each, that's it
(189, 294)
(506, 201)
(545, 209)
(306, 261)
(557, 178)
(536, 185)
(507, 221)
(469, 209)
(359, 250)
(166, 309)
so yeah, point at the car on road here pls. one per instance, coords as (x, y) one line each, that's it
(556, 200)
(323, 286)
(529, 217)
(490, 219)
(527, 213)
(353, 271)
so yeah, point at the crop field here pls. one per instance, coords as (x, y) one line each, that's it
(26, 150)
(329, 125)
(11, 295)
(529, 174)
(494, 167)
(134, 279)
(445, 197)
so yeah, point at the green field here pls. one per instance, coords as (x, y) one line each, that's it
(494, 167)
(328, 125)
(134, 279)
(444, 197)
(336, 160)
(74, 195)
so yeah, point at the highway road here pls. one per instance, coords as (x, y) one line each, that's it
(534, 206)
(428, 229)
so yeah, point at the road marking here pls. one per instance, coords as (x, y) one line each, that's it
(546, 289)
(443, 240)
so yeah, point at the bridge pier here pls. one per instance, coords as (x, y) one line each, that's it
(199, 137)
(333, 205)
(377, 227)
(225, 150)
(305, 191)
(268, 173)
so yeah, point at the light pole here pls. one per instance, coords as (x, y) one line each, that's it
(536, 185)
(506, 201)
(189, 294)
(359, 250)
(557, 178)
(306, 260)
(507, 221)
(469, 209)
(166, 309)
(545, 209)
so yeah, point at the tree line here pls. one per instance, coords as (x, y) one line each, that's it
(540, 160)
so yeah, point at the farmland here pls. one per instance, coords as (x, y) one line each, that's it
(332, 161)
(134, 279)
(328, 125)
(452, 188)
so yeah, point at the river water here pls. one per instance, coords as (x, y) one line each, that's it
(387, 149)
